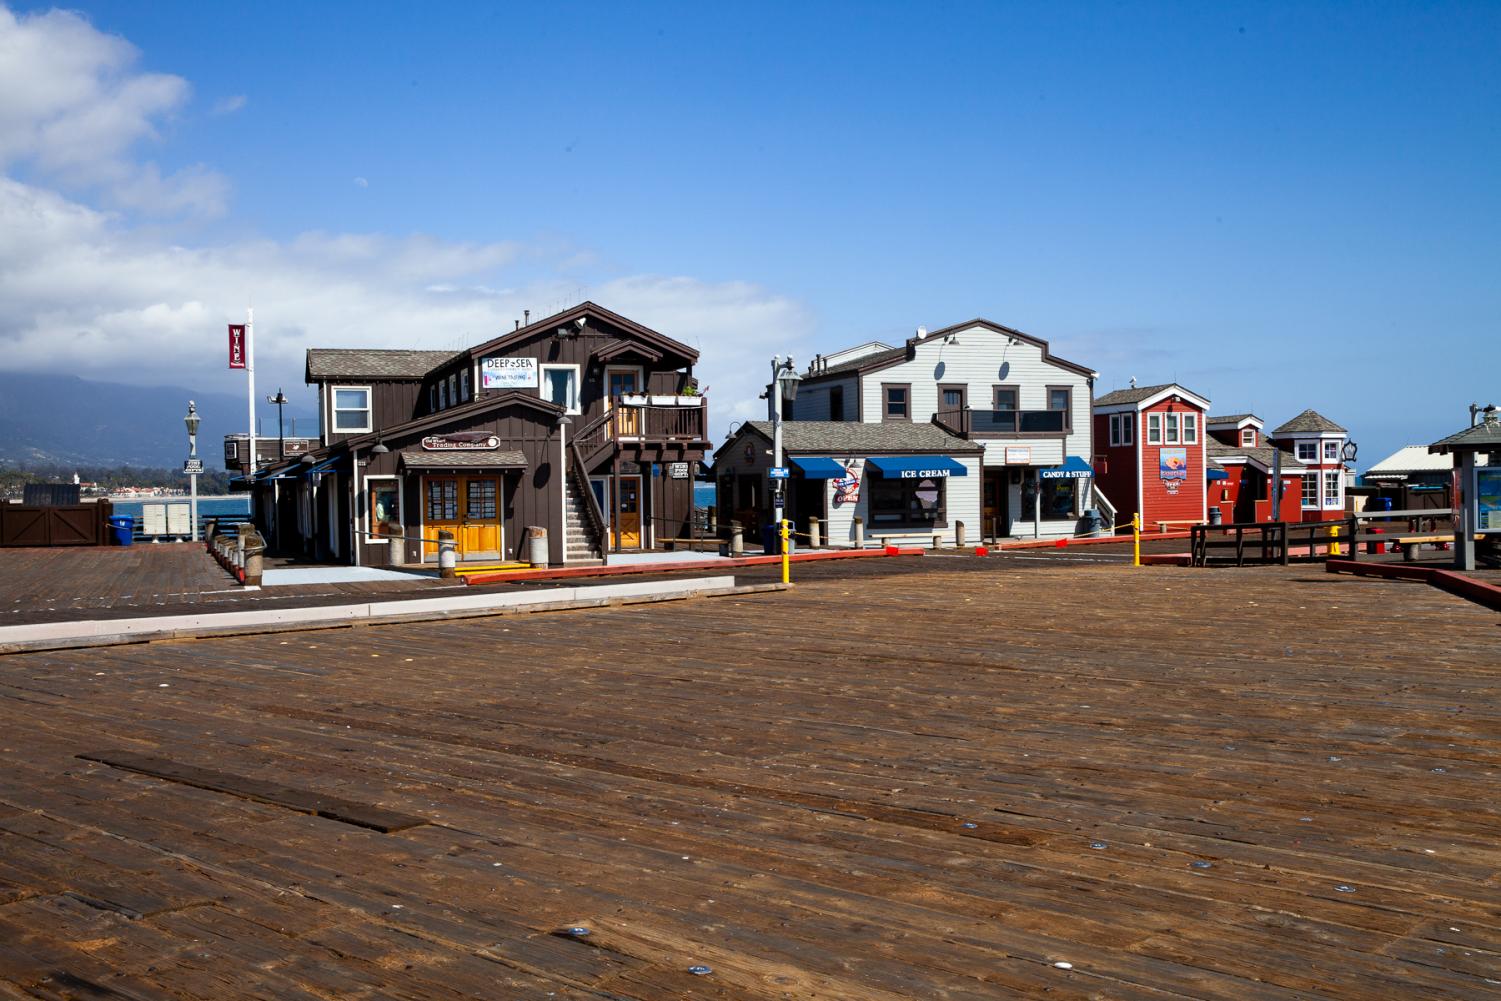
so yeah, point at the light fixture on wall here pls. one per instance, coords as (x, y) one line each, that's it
(379, 448)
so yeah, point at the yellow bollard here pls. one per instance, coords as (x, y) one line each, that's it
(1334, 549)
(1136, 539)
(786, 557)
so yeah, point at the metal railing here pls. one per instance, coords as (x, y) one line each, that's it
(969, 421)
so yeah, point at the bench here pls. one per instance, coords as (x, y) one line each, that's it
(1163, 526)
(1411, 543)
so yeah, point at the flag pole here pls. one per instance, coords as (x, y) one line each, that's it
(250, 375)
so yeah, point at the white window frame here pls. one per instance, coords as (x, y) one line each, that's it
(453, 388)
(1337, 500)
(1244, 434)
(1154, 429)
(1303, 491)
(1172, 427)
(1312, 451)
(1128, 429)
(1331, 451)
(546, 386)
(1115, 430)
(1190, 428)
(368, 409)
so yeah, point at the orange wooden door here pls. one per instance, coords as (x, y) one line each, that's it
(440, 510)
(624, 382)
(479, 534)
(628, 522)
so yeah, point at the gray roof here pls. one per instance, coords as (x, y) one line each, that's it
(1229, 418)
(1262, 453)
(1485, 436)
(855, 436)
(373, 363)
(1310, 422)
(463, 459)
(1135, 394)
(864, 361)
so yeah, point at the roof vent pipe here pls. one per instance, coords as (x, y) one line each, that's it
(528, 314)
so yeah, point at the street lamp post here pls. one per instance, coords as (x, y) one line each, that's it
(192, 466)
(280, 400)
(783, 377)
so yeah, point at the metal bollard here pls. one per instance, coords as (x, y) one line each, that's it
(859, 532)
(959, 535)
(812, 532)
(448, 554)
(737, 539)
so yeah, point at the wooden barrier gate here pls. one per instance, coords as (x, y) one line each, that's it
(60, 525)
(1274, 541)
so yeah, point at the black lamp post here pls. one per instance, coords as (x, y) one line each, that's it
(280, 399)
(191, 422)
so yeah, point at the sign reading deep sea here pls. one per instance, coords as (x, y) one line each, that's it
(508, 373)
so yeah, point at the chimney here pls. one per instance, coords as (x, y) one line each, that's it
(518, 325)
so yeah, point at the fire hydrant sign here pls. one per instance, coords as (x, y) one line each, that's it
(499, 372)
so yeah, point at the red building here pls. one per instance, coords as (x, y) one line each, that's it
(1150, 455)
(1307, 452)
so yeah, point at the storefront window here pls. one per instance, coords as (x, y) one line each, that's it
(385, 507)
(442, 500)
(1058, 499)
(898, 503)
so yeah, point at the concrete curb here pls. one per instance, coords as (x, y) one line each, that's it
(116, 632)
(717, 563)
(1452, 581)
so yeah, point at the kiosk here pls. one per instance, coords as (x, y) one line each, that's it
(1477, 485)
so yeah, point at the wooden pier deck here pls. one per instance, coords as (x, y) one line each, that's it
(1083, 781)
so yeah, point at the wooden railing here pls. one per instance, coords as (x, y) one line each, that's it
(1274, 541)
(969, 421)
(591, 503)
(648, 423)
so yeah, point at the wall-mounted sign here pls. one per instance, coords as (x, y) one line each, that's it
(1488, 499)
(921, 474)
(779, 472)
(192, 466)
(630, 468)
(1018, 455)
(847, 487)
(677, 470)
(1172, 464)
(464, 441)
(237, 345)
(499, 372)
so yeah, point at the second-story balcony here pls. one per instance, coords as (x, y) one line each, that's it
(646, 424)
(971, 423)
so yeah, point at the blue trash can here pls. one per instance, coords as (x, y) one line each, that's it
(1379, 504)
(123, 529)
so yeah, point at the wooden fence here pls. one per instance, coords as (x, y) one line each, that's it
(1277, 542)
(54, 525)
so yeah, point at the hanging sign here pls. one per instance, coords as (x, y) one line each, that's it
(464, 441)
(237, 345)
(847, 487)
(508, 373)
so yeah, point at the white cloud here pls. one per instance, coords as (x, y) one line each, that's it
(229, 105)
(360, 182)
(72, 108)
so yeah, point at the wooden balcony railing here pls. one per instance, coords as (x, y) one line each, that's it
(647, 424)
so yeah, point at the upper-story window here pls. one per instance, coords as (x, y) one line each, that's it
(432, 399)
(1170, 423)
(560, 384)
(1190, 429)
(1308, 451)
(1122, 428)
(1331, 451)
(443, 394)
(351, 409)
(464, 384)
(1248, 437)
(836, 403)
(1154, 429)
(896, 401)
(1060, 400)
(453, 389)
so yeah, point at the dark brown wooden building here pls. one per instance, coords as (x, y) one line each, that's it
(585, 424)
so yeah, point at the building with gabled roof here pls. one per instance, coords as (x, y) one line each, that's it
(1150, 454)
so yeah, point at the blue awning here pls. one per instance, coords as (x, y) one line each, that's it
(326, 466)
(1073, 468)
(916, 467)
(1216, 474)
(819, 469)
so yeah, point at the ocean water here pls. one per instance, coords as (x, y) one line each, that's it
(703, 494)
(208, 507)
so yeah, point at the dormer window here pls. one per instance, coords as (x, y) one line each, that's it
(351, 409)
(1331, 451)
(1308, 451)
(1247, 437)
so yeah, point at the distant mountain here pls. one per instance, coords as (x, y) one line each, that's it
(63, 419)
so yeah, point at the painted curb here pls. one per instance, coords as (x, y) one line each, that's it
(718, 563)
(1452, 581)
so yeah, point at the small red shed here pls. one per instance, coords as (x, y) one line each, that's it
(1150, 455)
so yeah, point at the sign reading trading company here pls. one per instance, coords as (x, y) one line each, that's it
(499, 372)
(467, 441)
(237, 345)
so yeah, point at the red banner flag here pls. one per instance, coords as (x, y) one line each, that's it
(237, 345)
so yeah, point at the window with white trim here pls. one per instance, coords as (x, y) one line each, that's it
(1247, 437)
(1115, 430)
(1311, 490)
(1154, 429)
(1308, 451)
(1331, 488)
(1128, 428)
(1173, 428)
(351, 409)
(560, 384)
(1331, 451)
(1190, 429)
(453, 388)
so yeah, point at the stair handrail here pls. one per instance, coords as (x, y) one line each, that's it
(1103, 502)
(591, 502)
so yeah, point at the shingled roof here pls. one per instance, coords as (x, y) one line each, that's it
(855, 436)
(1310, 422)
(372, 363)
(863, 361)
(1265, 455)
(1485, 436)
(1134, 394)
(1229, 418)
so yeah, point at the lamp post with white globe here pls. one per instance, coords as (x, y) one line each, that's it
(193, 466)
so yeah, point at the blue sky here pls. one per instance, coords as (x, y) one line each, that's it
(1280, 206)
